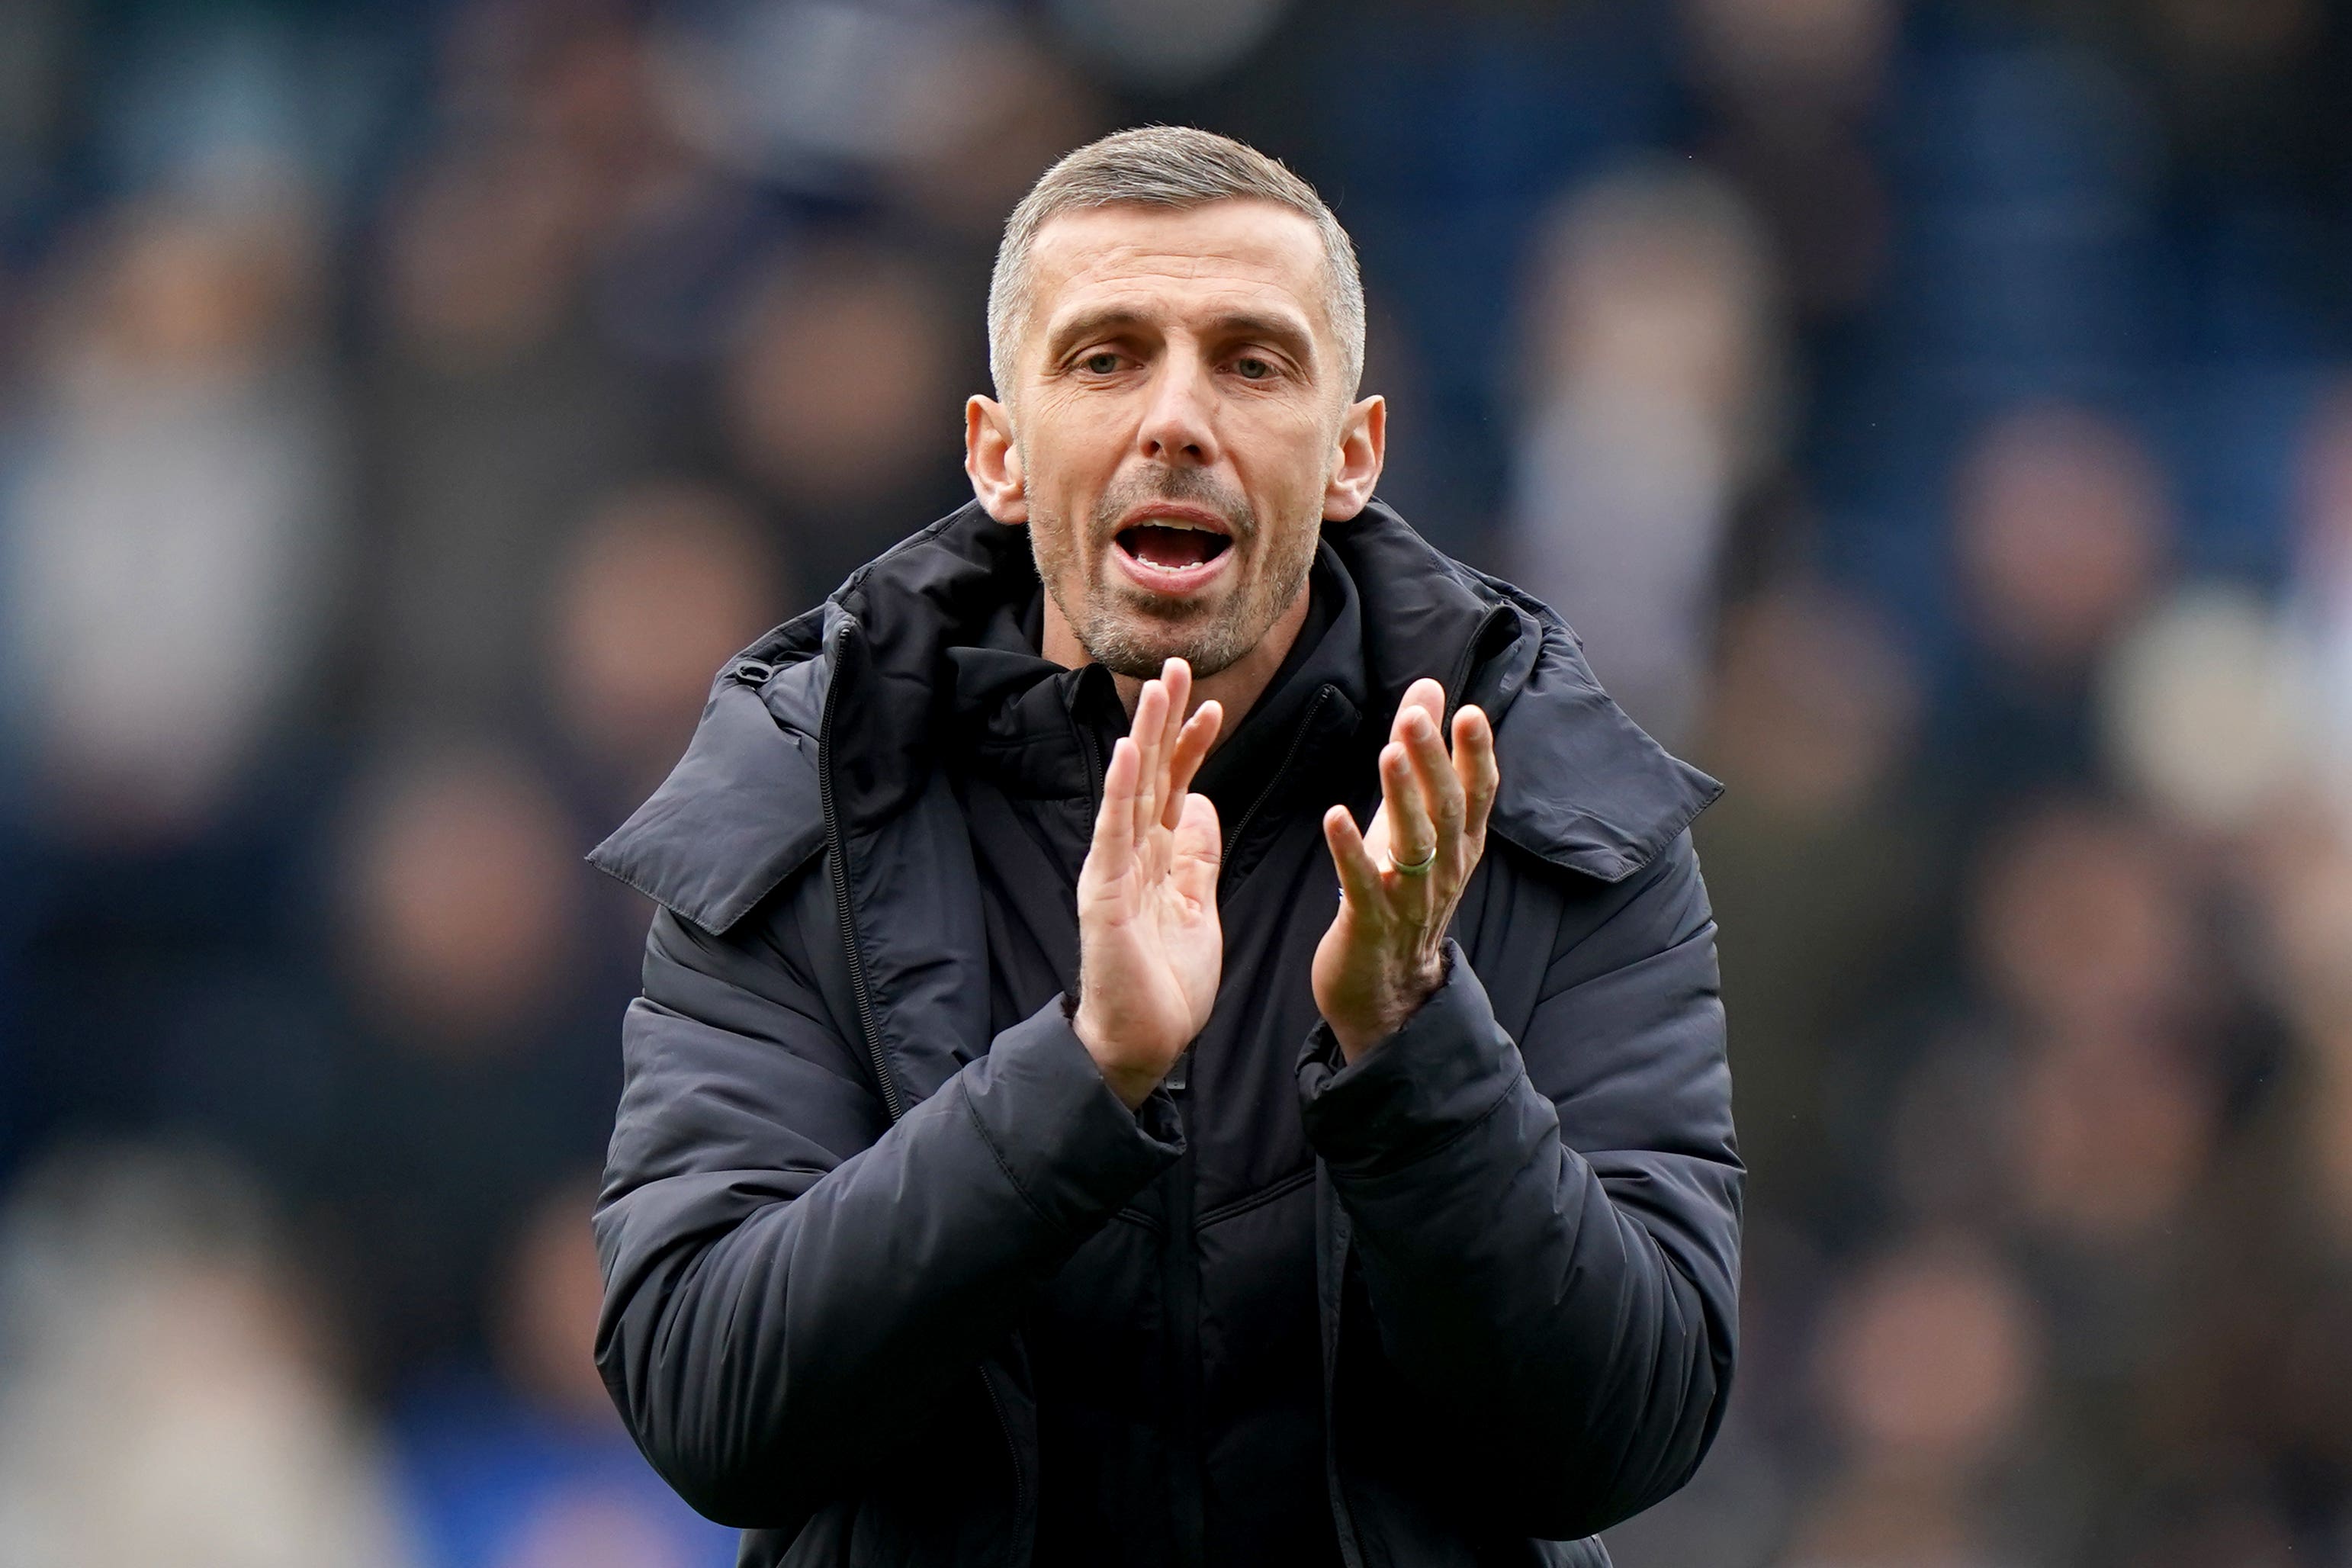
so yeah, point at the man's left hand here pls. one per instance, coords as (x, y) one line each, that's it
(1400, 882)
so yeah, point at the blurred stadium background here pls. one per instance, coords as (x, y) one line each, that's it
(1937, 418)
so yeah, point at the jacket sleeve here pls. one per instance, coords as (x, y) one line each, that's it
(791, 1280)
(1547, 1229)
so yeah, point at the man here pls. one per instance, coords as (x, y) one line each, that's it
(1053, 1133)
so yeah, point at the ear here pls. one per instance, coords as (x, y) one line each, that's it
(993, 461)
(1356, 465)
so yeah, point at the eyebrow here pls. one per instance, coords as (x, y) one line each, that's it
(1090, 325)
(1280, 332)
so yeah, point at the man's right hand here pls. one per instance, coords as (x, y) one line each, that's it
(1150, 947)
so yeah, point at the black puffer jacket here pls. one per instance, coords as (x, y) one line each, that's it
(833, 1198)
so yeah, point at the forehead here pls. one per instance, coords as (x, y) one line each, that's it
(1155, 258)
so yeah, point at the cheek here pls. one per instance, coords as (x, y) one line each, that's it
(1291, 481)
(1066, 459)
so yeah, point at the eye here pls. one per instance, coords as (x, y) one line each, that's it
(1103, 363)
(1252, 368)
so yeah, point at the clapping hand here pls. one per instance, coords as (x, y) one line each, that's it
(1150, 949)
(1399, 882)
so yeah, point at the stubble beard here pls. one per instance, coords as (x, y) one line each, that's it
(1131, 634)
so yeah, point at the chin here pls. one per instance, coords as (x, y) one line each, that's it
(1138, 645)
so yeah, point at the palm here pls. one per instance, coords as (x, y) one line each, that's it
(1150, 947)
(1384, 954)
(1154, 944)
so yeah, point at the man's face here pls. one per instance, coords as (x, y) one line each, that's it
(1177, 421)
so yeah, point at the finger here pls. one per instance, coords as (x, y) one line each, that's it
(1150, 715)
(1426, 695)
(1191, 748)
(1176, 677)
(1115, 822)
(1360, 880)
(1412, 835)
(1433, 770)
(1168, 797)
(1475, 763)
(1200, 850)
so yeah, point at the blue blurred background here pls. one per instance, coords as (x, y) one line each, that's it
(1936, 416)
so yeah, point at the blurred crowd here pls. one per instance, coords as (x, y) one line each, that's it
(1936, 415)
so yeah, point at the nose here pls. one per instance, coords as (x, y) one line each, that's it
(1178, 426)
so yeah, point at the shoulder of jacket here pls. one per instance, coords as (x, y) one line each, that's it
(1584, 789)
(743, 809)
(1583, 786)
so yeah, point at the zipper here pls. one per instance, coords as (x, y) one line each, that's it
(1298, 742)
(836, 845)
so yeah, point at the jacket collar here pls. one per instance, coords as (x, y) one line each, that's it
(1583, 788)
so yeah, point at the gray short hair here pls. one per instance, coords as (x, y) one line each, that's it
(1167, 166)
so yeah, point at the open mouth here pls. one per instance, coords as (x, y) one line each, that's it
(1172, 544)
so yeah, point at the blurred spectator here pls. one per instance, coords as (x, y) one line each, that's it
(1021, 108)
(2063, 530)
(1650, 333)
(178, 510)
(2071, 1088)
(2247, 85)
(496, 419)
(1793, 84)
(823, 95)
(1164, 45)
(165, 1398)
(2080, 921)
(2205, 712)
(2319, 612)
(842, 400)
(664, 583)
(1929, 1370)
(2112, 1133)
(481, 1051)
(1815, 865)
(943, 103)
(456, 883)
(2305, 939)
(533, 1469)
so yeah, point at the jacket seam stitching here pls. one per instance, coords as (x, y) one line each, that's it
(1707, 928)
(996, 1154)
(1258, 1199)
(726, 916)
(1450, 1139)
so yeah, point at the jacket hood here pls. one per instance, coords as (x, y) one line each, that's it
(1584, 788)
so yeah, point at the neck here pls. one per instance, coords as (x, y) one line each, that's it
(1237, 688)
